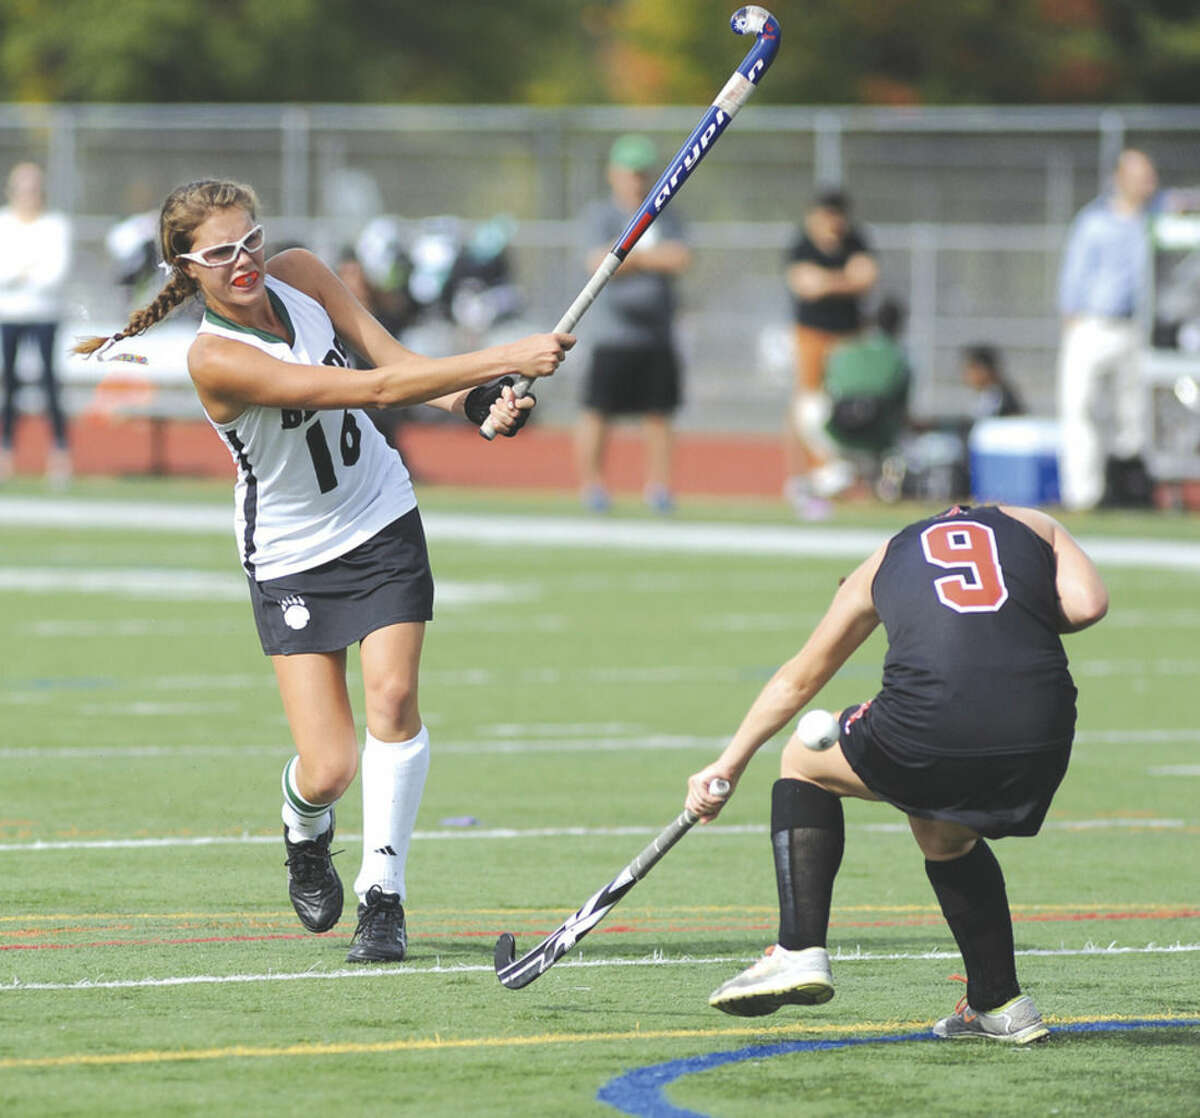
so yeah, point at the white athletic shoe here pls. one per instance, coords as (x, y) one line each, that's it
(1015, 1022)
(780, 977)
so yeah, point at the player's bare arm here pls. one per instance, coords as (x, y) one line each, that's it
(532, 357)
(848, 622)
(229, 376)
(352, 322)
(1082, 595)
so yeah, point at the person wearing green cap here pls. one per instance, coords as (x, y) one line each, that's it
(635, 368)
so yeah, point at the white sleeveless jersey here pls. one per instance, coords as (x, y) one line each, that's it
(311, 485)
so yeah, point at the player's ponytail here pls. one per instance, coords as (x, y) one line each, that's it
(175, 291)
(186, 208)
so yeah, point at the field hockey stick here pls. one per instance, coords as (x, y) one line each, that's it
(515, 973)
(750, 20)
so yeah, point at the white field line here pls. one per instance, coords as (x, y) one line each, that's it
(47, 628)
(470, 748)
(55, 752)
(133, 516)
(563, 729)
(493, 834)
(1137, 736)
(569, 532)
(1139, 669)
(643, 743)
(530, 738)
(55, 629)
(656, 960)
(1127, 618)
(133, 582)
(661, 675)
(173, 583)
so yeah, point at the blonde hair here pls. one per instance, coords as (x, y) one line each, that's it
(186, 208)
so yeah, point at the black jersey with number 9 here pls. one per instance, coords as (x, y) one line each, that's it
(974, 662)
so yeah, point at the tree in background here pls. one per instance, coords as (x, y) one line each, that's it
(914, 51)
(554, 52)
(288, 50)
(1159, 58)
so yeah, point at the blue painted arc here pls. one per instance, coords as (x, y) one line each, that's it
(640, 1092)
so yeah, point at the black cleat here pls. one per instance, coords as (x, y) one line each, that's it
(313, 883)
(380, 936)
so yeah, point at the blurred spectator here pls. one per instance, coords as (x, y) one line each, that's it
(829, 269)
(132, 245)
(983, 373)
(932, 460)
(867, 382)
(1102, 283)
(35, 251)
(482, 288)
(635, 367)
(994, 398)
(386, 270)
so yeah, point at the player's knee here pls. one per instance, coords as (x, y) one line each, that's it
(327, 778)
(392, 712)
(942, 852)
(942, 842)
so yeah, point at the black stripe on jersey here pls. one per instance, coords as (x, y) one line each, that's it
(250, 506)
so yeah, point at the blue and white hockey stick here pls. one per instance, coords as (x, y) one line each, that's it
(750, 20)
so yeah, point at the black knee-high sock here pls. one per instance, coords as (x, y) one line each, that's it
(971, 892)
(808, 834)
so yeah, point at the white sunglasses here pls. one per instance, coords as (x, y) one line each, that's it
(215, 256)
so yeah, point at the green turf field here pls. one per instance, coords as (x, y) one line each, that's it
(150, 962)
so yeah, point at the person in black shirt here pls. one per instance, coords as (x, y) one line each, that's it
(635, 368)
(829, 268)
(969, 736)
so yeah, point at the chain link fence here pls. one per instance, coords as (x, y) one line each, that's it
(966, 207)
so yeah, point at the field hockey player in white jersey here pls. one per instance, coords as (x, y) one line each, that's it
(326, 523)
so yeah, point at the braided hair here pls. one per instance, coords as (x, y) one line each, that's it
(186, 208)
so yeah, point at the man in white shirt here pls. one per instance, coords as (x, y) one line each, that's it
(1101, 286)
(34, 257)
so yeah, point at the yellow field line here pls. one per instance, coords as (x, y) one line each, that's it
(437, 1043)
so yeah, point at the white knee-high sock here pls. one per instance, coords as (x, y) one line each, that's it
(393, 778)
(305, 821)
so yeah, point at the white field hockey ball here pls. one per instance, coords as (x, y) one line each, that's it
(817, 730)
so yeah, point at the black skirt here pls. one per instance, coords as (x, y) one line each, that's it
(384, 581)
(995, 794)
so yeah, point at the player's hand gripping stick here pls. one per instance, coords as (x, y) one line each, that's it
(750, 20)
